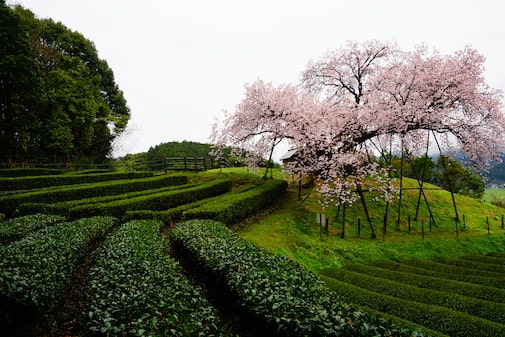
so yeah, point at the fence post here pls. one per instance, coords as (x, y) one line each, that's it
(422, 227)
(359, 227)
(384, 228)
(488, 230)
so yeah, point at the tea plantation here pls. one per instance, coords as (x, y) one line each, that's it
(116, 254)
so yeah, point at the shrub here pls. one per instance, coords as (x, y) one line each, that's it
(439, 270)
(157, 201)
(64, 207)
(29, 183)
(234, 206)
(9, 203)
(136, 289)
(35, 271)
(447, 321)
(430, 282)
(175, 214)
(499, 270)
(25, 172)
(475, 307)
(16, 228)
(284, 298)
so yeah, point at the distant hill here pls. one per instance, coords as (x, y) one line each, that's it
(496, 174)
(158, 153)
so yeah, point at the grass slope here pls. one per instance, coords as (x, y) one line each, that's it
(292, 230)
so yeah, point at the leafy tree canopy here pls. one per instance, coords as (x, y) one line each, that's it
(58, 99)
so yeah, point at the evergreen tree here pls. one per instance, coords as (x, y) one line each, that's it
(59, 100)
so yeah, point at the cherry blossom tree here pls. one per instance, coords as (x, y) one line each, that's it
(378, 90)
(263, 119)
(366, 99)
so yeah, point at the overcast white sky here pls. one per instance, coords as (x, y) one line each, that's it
(181, 63)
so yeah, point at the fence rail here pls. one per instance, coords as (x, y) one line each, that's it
(193, 163)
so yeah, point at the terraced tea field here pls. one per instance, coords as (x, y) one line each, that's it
(457, 297)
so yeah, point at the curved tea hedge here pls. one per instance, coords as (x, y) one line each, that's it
(17, 228)
(450, 322)
(24, 172)
(156, 201)
(10, 203)
(492, 311)
(284, 298)
(35, 271)
(437, 283)
(136, 289)
(32, 182)
(433, 298)
(63, 208)
(235, 206)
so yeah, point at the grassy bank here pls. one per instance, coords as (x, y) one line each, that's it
(291, 230)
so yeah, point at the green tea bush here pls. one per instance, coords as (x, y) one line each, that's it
(25, 172)
(28, 183)
(486, 259)
(235, 206)
(64, 207)
(284, 298)
(485, 309)
(10, 203)
(17, 228)
(424, 281)
(35, 271)
(447, 321)
(449, 268)
(175, 214)
(499, 270)
(156, 201)
(136, 289)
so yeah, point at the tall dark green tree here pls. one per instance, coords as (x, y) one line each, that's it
(20, 89)
(61, 102)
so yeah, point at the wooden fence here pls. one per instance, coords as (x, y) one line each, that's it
(193, 164)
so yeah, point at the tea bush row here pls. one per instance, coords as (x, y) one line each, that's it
(494, 260)
(235, 206)
(136, 289)
(35, 271)
(17, 228)
(485, 309)
(440, 270)
(284, 298)
(63, 208)
(9, 203)
(156, 201)
(174, 214)
(447, 321)
(463, 288)
(28, 183)
(480, 266)
(24, 172)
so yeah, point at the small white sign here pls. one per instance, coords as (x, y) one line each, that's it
(321, 218)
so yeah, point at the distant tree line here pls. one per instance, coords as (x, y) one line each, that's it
(59, 101)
